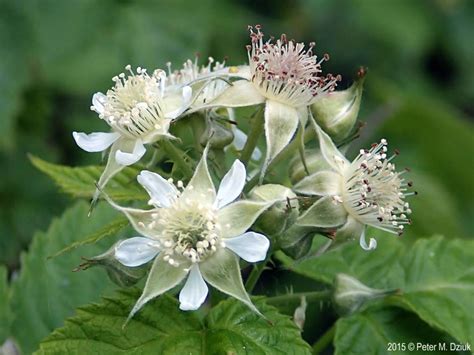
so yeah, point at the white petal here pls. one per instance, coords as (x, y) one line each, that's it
(187, 95)
(95, 142)
(136, 251)
(372, 243)
(162, 193)
(250, 246)
(98, 102)
(231, 185)
(194, 292)
(129, 158)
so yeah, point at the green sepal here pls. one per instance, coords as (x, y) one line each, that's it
(118, 273)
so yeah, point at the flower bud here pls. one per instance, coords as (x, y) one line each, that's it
(294, 245)
(350, 294)
(282, 214)
(336, 112)
(314, 162)
(218, 134)
(119, 274)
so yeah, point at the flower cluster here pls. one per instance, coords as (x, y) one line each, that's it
(192, 233)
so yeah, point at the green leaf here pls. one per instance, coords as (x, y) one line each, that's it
(110, 229)
(161, 328)
(46, 292)
(435, 276)
(80, 182)
(371, 332)
(5, 313)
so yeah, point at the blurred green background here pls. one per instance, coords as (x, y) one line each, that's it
(419, 92)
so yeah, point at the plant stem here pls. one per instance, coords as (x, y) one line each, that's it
(254, 276)
(310, 296)
(255, 132)
(324, 341)
(177, 156)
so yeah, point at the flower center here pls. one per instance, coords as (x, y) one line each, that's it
(285, 71)
(374, 193)
(134, 105)
(190, 231)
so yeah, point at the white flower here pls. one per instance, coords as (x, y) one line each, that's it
(211, 81)
(286, 77)
(139, 111)
(194, 232)
(365, 192)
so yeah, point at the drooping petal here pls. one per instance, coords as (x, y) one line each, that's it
(95, 142)
(201, 188)
(324, 213)
(136, 251)
(322, 183)
(329, 150)
(237, 217)
(222, 271)
(194, 292)
(250, 246)
(162, 193)
(363, 244)
(162, 278)
(128, 153)
(231, 185)
(98, 102)
(241, 93)
(281, 122)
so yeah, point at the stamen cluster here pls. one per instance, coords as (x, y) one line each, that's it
(191, 71)
(374, 193)
(286, 71)
(187, 230)
(134, 105)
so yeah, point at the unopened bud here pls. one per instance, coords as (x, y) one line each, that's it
(118, 273)
(282, 214)
(314, 163)
(296, 241)
(350, 294)
(336, 112)
(218, 134)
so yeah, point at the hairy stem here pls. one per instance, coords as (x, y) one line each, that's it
(178, 157)
(310, 296)
(255, 132)
(324, 341)
(255, 275)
